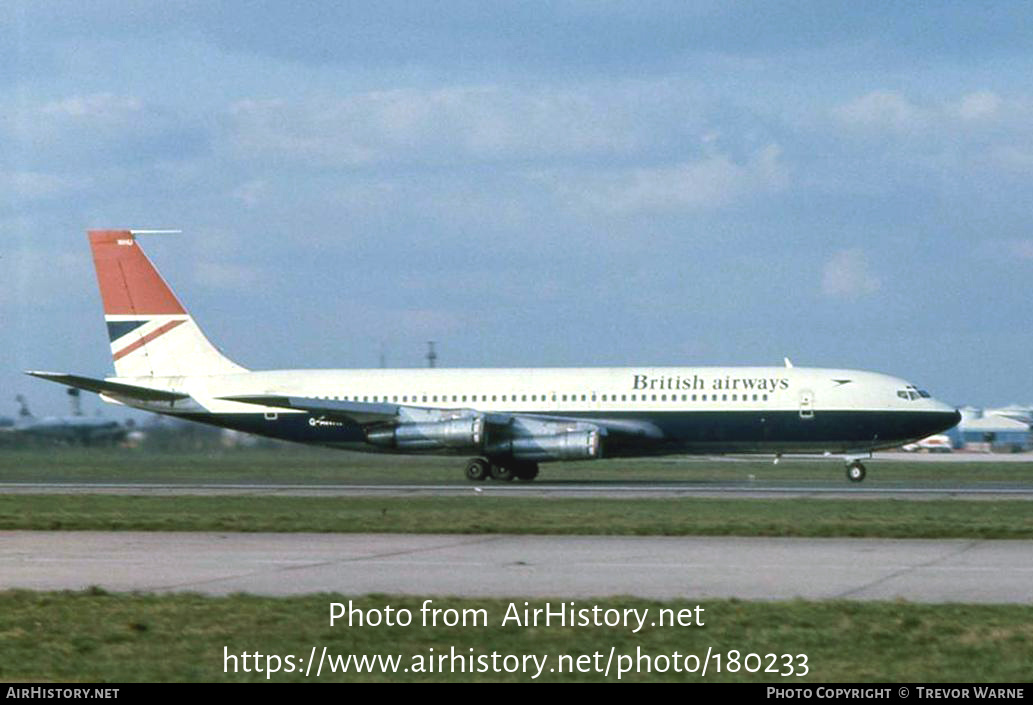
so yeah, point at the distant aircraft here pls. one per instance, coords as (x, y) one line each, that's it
(508, 420)
(74, 429)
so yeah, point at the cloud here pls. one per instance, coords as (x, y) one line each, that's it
(1013, 158)
(846, 274)
(1023, 249)
(36, 185)
(979, 106)
(880, 109)
(97, 109)
(98, 129)
(440, 125)
(251, 193)
(891, 110)
(219, 275)
(710, 182)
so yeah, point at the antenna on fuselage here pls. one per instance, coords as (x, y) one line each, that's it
(432, 357)
(789, 363)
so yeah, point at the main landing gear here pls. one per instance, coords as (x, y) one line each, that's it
(481, 469)
(855, 471)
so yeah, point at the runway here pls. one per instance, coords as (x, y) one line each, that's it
(934, 571)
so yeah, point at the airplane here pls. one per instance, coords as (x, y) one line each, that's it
(505, 421)
(75, 429)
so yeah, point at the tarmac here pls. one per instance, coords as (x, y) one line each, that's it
(916, 570)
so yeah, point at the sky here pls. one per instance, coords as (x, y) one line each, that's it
(529, 183)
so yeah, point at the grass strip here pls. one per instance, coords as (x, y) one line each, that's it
(480, 514)
(94, 636)
(305, 465)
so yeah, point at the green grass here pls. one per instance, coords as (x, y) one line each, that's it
(94, 637)
(306, 465)
(479, 514)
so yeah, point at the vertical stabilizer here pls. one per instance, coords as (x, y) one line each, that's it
(151, 334)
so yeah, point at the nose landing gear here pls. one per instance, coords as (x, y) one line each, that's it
(855, 471)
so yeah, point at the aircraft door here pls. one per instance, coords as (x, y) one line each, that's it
(806, 404)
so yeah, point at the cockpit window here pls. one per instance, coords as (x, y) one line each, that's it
(912, 393)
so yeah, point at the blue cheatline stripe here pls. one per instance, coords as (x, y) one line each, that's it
(117, 329)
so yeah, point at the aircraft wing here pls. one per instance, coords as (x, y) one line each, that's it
(374, 413)
(358, 411)
(116, 389)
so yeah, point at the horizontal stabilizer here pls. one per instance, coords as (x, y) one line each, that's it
(101, 386)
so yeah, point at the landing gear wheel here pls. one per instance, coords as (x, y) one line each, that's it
(502, 473)
(477, 469)
(855, 471)
(526, 472)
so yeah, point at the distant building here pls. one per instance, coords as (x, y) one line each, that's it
(1005, 430)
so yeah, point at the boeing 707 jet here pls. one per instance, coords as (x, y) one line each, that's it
(506, 421)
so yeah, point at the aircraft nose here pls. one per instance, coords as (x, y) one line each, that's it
(948, 416)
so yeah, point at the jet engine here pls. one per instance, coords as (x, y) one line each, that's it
(571, 445)
(464, 432)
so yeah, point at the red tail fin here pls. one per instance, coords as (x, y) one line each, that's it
(129, 283)
(151, 333)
